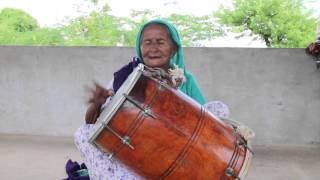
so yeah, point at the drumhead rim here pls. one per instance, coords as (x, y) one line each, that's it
(246, 164)
(116, 101)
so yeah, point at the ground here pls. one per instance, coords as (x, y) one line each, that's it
(43, 157)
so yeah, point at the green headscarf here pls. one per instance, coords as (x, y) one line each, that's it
(190, 86)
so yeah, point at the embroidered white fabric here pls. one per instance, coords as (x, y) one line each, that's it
(218, 108)
(97, 162)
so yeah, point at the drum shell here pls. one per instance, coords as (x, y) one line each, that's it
(182, 139)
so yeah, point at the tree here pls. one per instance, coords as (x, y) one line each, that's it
(95, 29)
(194, 30)
(19, 28)
(99, 28)
(17, 20)
(280, 23)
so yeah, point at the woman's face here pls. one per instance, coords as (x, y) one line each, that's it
(157, 46)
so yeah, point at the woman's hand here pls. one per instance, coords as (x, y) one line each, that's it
(99, 97)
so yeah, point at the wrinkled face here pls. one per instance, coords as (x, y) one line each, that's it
(157, 46)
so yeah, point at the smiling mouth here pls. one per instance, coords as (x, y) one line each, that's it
(154, 57)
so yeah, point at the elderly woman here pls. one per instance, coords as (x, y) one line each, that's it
(158, 45)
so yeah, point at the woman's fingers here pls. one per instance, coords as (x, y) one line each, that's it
(107, 93)
(92, 114)
(100, 94)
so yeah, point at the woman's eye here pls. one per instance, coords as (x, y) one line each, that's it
(146, 42)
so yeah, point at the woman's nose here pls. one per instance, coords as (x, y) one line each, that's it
(154, 47)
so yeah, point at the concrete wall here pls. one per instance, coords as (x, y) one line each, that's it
(276, 92)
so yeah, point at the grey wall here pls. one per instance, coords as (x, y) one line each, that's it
(276, 92)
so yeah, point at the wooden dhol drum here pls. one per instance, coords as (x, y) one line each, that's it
(161, 133)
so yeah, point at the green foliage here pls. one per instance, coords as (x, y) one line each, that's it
(17, 20)
(194, 30)
(19, 28)
(102, 29)
(95, 29)
(280, 23)
(99, 28)
(43, 37)
(131, 25)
